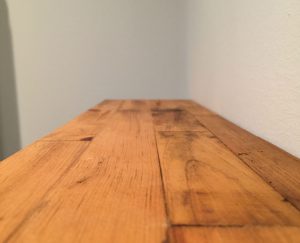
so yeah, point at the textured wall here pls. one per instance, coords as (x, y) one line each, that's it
(244, 63)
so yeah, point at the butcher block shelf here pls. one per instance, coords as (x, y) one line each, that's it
(159, 171)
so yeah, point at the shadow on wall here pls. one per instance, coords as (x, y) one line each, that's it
(9, 122)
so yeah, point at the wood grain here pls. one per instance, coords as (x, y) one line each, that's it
(187, 105)
(150, 171)
(112, 194)
(278, 168)
(172, 115)
(87, 124)
(235, 235)
(175, 120)
(27, 177)
(134, 105)
(207, 184)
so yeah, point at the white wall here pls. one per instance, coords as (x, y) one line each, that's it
(71, 54)
(241, 59)
(244, 63)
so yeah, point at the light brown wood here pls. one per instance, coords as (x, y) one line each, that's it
(27, 177)
(111, 193)
(175, 120)
(235, 235)
(134, 105)
(87, 124)
(187, 105)
(280, 169)
(207, 184)
(170, 104)
(149, 171)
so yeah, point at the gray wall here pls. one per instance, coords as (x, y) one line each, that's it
(9, 117)
(71, 54)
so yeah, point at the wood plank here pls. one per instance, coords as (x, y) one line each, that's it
(278, 168)
(187, 105)
(27, 177)
(207, 184)
(175, 120)
(87, 124)
(97, 179)
(170, 104)
(134, 105)
(112, 194)
(274, 234)
(177, 115)
(238, 139)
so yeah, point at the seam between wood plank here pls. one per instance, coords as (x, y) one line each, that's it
(167, 240)
(239, 163)
(242, 160)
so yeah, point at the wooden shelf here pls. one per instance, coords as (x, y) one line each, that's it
(150, 171)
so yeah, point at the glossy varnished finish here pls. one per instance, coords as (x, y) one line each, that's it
(150, 171)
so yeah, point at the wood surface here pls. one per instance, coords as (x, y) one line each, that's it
(150, 171)
(235, 235)
(87, 124)
(175, 120)
(278, 168)
(207, 184)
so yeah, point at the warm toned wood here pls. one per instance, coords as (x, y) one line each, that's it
(187, 105)
(235, 235)
(207, 184)
(99, 179)
(134, 105)
(28, 176)
(175, 120)
(280, 169)
(87, 124)
(111, 193)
